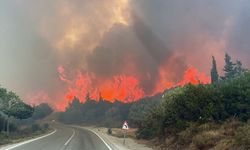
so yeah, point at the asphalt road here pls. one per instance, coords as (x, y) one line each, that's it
(63, 138)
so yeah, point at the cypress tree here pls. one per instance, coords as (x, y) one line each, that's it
(214, 72)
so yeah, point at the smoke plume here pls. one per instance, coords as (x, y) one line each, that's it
(115, 49)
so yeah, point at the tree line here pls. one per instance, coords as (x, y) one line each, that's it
(231, 69)
(105, 113)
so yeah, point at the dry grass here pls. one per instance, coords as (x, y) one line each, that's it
(117, 132)
(207, 139)
(230, 135)
(242, 137)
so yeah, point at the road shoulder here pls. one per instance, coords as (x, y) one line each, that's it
(12, 146)
(114, 142)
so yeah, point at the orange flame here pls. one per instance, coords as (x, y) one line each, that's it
(193, 76)
(123, 88)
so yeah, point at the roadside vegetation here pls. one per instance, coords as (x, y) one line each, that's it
(199, 116)
(18, 120)
(204, 116)
(20, 133)
(105, 113)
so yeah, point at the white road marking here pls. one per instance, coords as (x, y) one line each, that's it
(96, 135)
(100, 138)
(70, 138)
(29, 141)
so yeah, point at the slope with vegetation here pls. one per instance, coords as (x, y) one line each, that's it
(205, 116)
(15, 116)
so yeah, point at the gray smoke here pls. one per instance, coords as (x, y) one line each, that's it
(172, 34)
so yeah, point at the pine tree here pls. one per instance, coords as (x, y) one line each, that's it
(229, 68)
(87, 97)
(214, 72)
(75, 103)
(100, 97)
(239, 69)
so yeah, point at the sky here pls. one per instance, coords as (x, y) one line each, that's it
(51, 51)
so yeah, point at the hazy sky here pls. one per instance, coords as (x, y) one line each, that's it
(115, 37)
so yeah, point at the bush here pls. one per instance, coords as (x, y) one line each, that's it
(13, 127)
(46, 126)
(26, 131)
(145, 133)
(35, 127)
(153, 124)
(109, 131)
(3, 138)
(236, 95)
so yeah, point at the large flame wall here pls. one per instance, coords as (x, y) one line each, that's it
(122, 88)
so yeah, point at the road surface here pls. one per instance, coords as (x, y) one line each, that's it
(64, 138)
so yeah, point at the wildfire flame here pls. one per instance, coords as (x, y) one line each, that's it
(122, 88)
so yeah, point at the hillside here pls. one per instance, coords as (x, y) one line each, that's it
(212, 116)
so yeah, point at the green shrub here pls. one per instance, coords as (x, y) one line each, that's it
(153, 124)
(13, 127)
(236, 95)
(26, 131)
(145, 133)
(109, 131)
(35, 127)
(3, 138)
(46, 126)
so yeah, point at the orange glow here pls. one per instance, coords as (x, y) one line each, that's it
(78, 28)
(125, 88)
(122, 88)
(193, 76)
